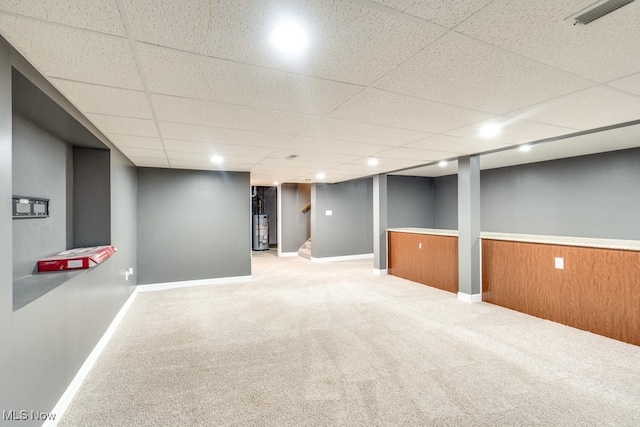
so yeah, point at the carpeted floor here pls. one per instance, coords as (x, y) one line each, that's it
(306, 344)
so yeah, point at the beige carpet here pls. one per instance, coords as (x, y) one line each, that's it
(306, 344)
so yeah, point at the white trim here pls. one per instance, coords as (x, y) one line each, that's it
(287, 254)
(380, 272)
(81, 375)
(342, 258)
(279, 220)
(190, 283)
(469, 298)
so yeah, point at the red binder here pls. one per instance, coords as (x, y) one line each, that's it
(76, 259)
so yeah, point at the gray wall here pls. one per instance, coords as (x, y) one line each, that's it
(45, 342)
(296, 226)
(39, 169)
(349, 231)
(588, 196)
(91, 201)
(410, 201)
(445, 202)
(193, 225)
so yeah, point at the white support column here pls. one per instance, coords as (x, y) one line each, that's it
(380, 224)
(469, 280)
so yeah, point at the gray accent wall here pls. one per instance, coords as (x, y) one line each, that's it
(45, 343)
(193, 225)
(445, 202)
(39, 169)
(91, 201)
(349, 230)
(588, 196)
(296, 226)
(410, 201)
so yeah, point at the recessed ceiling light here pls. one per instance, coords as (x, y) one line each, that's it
(216, 159)
(289, 38)
(525, 148)
(372, 161)
(489, 130)
(275, 182)
(320, 175)
(442, 163)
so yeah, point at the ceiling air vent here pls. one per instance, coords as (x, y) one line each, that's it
(291, 157)
(597, 11)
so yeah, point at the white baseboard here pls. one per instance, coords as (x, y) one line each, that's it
(343, 258)
(76, 383)
(288, 254)
(190, 283)
(380, 272)
(469, 298)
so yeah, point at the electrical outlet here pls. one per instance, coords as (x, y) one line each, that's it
(127, 273)
(559, 263)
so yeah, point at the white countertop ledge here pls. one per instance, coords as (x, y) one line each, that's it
(589, 242)
(434, 231)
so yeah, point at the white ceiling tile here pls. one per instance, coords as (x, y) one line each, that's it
(190, 75)
(96, 15)
(143, 152)
(447, 13)
(332, 146)
(149, 161)
(205, 113)
(460, 71)
(73, 54)
(349, 42)
(183, 156)
(217, 149)
(513, 131)
(629, 84)
(135, 141)
(453, 144)
(588, 109)
(615, 139)
(221, 135)
(205, 165)
(311, 156)
(298, 164)
(346, 130)
(415, 155)
(434, 170)
(402, 111)
(124, 125)
(91, 98)
(602, 50)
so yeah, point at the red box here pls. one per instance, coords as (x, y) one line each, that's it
(76, 259)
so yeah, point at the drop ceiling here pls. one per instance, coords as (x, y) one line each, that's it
(172, 83)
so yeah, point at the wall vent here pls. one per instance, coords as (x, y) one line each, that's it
(597, 11)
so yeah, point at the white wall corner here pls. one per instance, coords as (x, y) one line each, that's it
(471, 299)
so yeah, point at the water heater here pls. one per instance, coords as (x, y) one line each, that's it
(260, 232)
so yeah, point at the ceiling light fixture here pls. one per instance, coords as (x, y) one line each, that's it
(320, 175)
(275, 182)
(289, 38)
(487, 131)
(372, 161)
(442, 163)
(217, 160)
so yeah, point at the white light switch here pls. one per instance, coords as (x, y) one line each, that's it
(419, 245)
(328, 213)
(560, 263)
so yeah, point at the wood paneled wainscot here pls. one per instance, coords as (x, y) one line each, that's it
(590, 284)
(425, 256)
